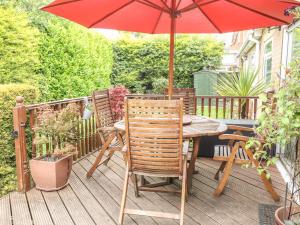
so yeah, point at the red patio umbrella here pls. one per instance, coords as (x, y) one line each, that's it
(175, 16)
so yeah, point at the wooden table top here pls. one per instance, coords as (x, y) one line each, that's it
(199, 126)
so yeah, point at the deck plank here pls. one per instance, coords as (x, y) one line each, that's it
(145, 204)
(57, 208)
(110, 205)
(115, 193)
(158, 200)
(5, 213)
(78, 213)
(95, 201)
(90, 203)
(38, 208)
(20, 211)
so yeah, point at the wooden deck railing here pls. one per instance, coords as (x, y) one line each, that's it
(227, 107)
(24, 121)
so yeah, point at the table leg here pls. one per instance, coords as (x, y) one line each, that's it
(191, 167)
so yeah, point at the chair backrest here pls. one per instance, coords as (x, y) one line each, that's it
(102, 109)
(146, 96)
(189, 99)
(154, 136)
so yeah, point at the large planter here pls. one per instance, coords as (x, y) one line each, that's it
(51, 176)
(279, 214)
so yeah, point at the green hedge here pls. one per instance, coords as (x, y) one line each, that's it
(74, 61)
(8, 94)
(138, 63)
(18, 47)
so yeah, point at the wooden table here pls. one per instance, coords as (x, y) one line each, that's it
(199, 126)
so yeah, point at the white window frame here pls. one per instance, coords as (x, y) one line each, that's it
(267, 56)
(287, 46)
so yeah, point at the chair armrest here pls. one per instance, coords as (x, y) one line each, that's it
(240, 128)
(185, 147)
(234, 137)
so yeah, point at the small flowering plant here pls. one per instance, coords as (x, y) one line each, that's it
(58, 128)
(117, 95)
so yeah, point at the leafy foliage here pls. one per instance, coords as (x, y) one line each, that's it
(117, 95)
(74, 61)
(280, 126)
(159, 85)
(58, 128)
(245, 83)
(8, 94)
(19, 58)
(7, 179)
(138, 63)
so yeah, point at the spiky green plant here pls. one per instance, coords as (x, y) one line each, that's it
(244, 83)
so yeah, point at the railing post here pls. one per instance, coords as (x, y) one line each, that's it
(19, 119)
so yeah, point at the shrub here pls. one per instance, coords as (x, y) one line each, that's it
(138, 63)
(159, 85)
(117, 95)
(18, 47)
(75, 61)
(8, 94)
(7, 179)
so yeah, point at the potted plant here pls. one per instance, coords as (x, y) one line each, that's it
(281, 126)
(58, 130)
(117, 95)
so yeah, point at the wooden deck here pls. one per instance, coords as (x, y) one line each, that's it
(96, 200)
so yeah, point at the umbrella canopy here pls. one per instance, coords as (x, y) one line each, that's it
(175, 16)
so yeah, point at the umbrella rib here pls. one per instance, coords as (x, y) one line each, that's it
(207, 17)
(194, 5)
(156, 24)
(61, 3)
(111, 13)
(150, 4)
(257, 11)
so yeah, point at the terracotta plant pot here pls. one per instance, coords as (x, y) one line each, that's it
(279, 213)
(51, 176)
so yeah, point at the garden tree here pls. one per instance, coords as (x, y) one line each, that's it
(140, 62)
(19, 56)
(74, 61)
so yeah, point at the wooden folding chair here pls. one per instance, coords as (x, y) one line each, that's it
(111, 139)
(236, 152)
(189, 99)
(154, 148)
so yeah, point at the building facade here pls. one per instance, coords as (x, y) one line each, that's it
(269, 50)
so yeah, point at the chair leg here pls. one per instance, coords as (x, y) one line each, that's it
(227, 171)
(135, 185)
(221, 169)
(224, 179)
(267, 183)
(183, 191)
(110, 154)
(124, 195)
(100, 155)
(96, 162)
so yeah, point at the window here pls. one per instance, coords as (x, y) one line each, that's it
(295, 41)
(268, 60)
(291, 46)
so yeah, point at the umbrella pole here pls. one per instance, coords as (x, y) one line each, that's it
(171, 56)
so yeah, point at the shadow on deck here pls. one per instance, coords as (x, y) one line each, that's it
(96, 200)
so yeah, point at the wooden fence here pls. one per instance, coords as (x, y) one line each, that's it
(227, 107)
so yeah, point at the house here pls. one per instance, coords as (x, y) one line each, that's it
(268, 50)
